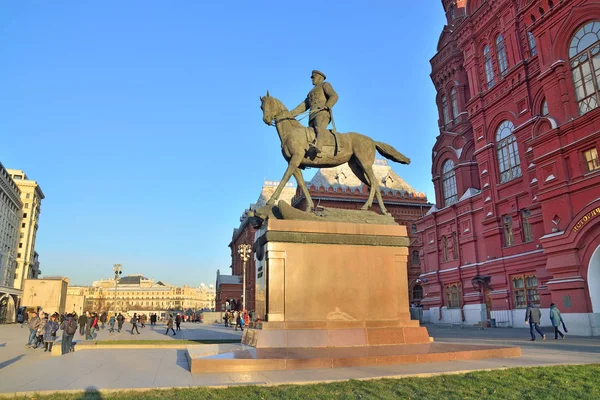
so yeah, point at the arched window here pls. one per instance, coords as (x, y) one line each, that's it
(413, 228)
(415, 257)
(532, 46)
(509, 163)
(489, 71)
(445, 109)
(445, 244)
(417, 293)
(584, 56)
(509, 238)
(501, 52)
(449, 183)
(544, 109)
(454, 101)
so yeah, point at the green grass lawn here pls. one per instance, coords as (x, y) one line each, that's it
(159, 342)
(547, 383)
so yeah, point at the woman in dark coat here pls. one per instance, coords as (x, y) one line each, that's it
(50, 333)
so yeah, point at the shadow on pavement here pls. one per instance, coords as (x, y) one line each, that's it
(91, 393)
(12, 360)
(182, 360)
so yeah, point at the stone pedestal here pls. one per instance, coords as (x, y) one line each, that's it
(331, 284)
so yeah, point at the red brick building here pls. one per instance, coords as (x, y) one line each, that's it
(515, 165)
(339, 188)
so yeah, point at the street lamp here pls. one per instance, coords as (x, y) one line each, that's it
(245, 251)
(118, 270)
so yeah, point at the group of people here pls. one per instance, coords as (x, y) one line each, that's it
(43, 331)
(237, 319)
(533, 316)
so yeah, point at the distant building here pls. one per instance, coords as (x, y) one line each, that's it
(338, 187)
(140, 294)
(229, 287)
(31, 197)
(10, 220)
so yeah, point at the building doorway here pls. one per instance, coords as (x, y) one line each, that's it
(7, 309)
(593, 280)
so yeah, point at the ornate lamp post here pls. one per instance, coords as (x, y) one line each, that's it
(245, 251)
(118, 270)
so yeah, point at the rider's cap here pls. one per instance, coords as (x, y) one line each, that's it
(319, 73)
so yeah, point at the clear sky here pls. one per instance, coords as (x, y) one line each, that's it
(141, 121)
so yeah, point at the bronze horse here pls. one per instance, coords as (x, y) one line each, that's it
(355, 149)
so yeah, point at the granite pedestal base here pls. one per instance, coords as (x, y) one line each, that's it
(243, 358)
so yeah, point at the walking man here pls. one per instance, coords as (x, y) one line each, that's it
(170, 325)
(178, 322)
(33, 324)
(532, 317)
(134, 321)
(556, 319)
(319, 100)
(82, 321)
(120, 321)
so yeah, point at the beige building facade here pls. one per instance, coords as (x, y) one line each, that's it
(31, 197)
(140, 294)
(48, 294)
(10, 218)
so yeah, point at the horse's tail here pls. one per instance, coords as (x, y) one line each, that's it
(391, 153)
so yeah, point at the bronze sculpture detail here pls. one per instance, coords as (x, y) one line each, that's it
(355, 149)
(319, 100)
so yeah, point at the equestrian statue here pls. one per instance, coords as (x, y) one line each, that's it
(317, 147)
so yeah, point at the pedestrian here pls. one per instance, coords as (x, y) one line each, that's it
(557, 320)
(246, 318)
(88, 325)
(40, 331)
(82, 320)
(170, 325)
(237, 320)
(33, 324)
(111, 324)
(134, 321)
(241, 321)
(95, 326)
(532, 317)
(50, 333)
(103, 318)
(120, 321)
(143, 320)
(178, 322)
(226, 318)
(69, 327)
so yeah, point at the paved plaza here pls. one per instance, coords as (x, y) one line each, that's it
(26, 370)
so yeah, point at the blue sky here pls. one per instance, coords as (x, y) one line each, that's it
(141, 121)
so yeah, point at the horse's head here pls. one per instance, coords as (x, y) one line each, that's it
(270, 107)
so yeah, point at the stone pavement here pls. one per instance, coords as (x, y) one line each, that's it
(24, 370)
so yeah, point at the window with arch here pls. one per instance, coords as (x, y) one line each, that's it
(584, 57)
(445, 244)
(532, 46)
(509, 237)
(449, 183)
(445, 109)
(544, 108)
(415, 257)
(454, 101)
(527, 230)
(417, 293)
(413, 228)
(454, 295)
(509, 163)
(501, 52)
(489, 70)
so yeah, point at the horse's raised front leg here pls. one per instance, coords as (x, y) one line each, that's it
(310, 205)
(292, 166)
